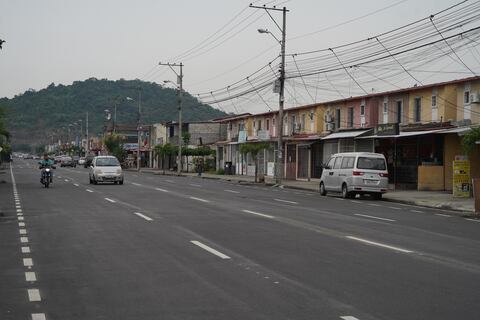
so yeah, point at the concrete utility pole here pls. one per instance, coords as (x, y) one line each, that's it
(138, 126)
(279, 160)
(180, 92)
(87, 148)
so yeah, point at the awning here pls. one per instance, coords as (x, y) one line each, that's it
(345, 134)
(460, 131)
(403, 134)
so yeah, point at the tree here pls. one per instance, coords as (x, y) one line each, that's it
(254, 149)
(114, 145)
(470, 139)
(163, 150)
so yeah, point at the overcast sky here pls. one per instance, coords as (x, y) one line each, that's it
(62, 41)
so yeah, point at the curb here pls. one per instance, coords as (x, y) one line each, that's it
(441, 206)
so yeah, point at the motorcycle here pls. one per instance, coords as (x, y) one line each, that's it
(47, 176)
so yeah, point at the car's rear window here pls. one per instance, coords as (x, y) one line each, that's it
(371, 163)
(107, 162)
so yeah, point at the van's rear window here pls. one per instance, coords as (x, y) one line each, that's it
(371, 163)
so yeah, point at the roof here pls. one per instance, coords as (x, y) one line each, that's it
(403, 134)
(345, 134)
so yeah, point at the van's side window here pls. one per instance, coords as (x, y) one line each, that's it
(338, 163)
(330, 163)
(348, 162)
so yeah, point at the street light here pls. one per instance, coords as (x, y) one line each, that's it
(138, 124)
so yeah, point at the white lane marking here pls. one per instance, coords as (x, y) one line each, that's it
(76, 185)
(374, 205)
(21, 224)
(379, 244)
(348, 318)
(20, 218)
(30, 276)
(34, 295)
(22, 231)
(355, 201)
(24, 239)
(286, 201)
(66, 180)
(170, 181)
(259, 214)
(395, 208)
(38, 316)
(135, 175)
(25, 249)
(474, 220)
(160, 189)
(199, 199)
(231, 191)
(443, 215)
(18, 207)
(373, 217)
(28, 262)
(136, 184)
(19, 210)
(417, 211)
(110, 200)
(88, 190)
(143, 216)
(211, 250)
(194, 185)
(341, 199)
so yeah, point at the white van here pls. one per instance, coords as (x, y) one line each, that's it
(355, 173)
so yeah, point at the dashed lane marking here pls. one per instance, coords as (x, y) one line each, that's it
(474, 220)
(110, 200)
(34, 295)
(30, 276)
(160, 189)
(443, 215)
(76, 184)
(348, 318)
(199, 199)
(136, 184)
(25, 249)
(38, 316)
(378, 244)
(88, 190)
(417, 211)
(24, 239)
(28, 262)
(355, 201)
(171, 181)
(142, 216)
(231, 191)
(395, 208)
(22, 231)
(21, 224)
(259, 214)
(373, 217)
(20, 218)
(374, 205)
(66, 180)
(194, 185)
(211, 250)
(286, 201)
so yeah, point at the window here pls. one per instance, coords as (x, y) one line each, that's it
(362, 110)
(399, 111)
(350, 117)
(268, 124)
(434, 101)
(337, 118)
(338, 163)
(417, 109)
(303, 121)
(371, 163)
(259, 124)
(466, 97)
(330, 163)
(348, 162)
(385, 107)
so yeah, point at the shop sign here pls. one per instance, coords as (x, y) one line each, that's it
(130, 146)
(461, 179)
(387, 129)
(263, 135)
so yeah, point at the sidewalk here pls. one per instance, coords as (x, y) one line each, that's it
(430, 199)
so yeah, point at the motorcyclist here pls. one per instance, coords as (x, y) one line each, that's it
(46, 162)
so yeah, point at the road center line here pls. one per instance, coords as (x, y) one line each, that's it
(286, 201)
(160, 189)
(373, 217)
(110, 200)
(211, 250)
(378, 244)
(34, 295)
(143, 216)
(259, 214)
(231, 191)
(199, 199)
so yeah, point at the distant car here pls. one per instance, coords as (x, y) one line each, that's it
(75, 158)
(67, 162)
(81, 161)
(355, 173)
(88, 160)
(106, 169)
(58, 159)
(28, 156)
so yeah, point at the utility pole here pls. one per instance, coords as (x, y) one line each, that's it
(138, 126)
(87, 148)
(180, 92)
(279, 159)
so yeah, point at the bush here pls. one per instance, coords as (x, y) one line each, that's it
(221, 171)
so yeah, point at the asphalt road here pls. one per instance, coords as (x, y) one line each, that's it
(166, 247)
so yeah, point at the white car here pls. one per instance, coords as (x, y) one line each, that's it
(106, 169)
(81, 161)
(355, 173)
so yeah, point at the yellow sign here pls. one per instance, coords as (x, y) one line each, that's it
(461, 179)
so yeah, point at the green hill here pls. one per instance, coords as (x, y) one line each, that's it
(33, 116)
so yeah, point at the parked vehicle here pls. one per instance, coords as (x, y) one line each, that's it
(67, 162)
(81, 161)
(355, 173)
(88, 160)
(106, 169)
(75, 159)
(58, 159)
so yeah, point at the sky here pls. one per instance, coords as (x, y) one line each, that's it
(62, 41)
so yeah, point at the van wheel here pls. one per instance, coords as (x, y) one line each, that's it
(323, 192)
(345, 193)
(377, 196)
